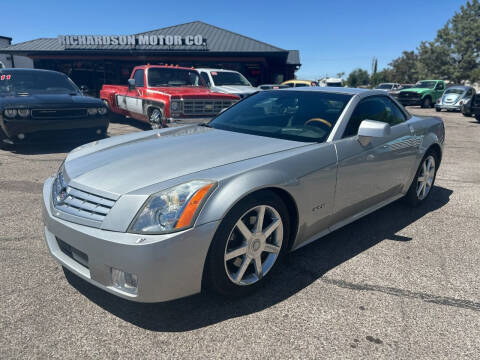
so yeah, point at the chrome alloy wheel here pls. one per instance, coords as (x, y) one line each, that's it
(253, 245)
(156, 119)
(425, 179)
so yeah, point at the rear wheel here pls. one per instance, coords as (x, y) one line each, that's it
(156, 119)
(4, 145)
(477, 117)
(438, 109)
(248, 245)
(422, 184)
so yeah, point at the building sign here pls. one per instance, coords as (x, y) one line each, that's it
(130, 41)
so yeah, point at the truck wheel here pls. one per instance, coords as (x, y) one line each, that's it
(426, 103)
(477, 117)
(155, 119)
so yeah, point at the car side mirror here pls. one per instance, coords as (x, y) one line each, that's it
(84, 90)
(372, 129)
(131, 84)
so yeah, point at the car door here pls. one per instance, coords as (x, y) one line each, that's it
(439, 89)
(134, 97)
(374, 171)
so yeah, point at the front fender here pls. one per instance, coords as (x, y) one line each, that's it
(231, 191)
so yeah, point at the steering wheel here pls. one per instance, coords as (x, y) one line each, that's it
(321, 123)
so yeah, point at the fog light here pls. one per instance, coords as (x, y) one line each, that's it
(124, 281)
(21, 136)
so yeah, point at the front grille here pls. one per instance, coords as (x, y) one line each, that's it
(205, 106)
(58, 113)
(407, 95)
(84, 204)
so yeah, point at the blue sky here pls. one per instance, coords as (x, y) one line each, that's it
(332, 36)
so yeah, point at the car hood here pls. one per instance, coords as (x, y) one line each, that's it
(451, 98)
(188, 92)
(416, 90)
(122, 164)
(234, 89)
(42, 100)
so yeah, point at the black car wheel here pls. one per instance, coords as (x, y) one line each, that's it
(248, 245)
(477, 117)
(3, 144)
(427, 102)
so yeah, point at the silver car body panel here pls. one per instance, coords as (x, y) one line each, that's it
(331, 183)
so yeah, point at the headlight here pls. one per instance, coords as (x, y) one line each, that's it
(59, 188)
(10, 113)
(175, 106)
(102, 110)
(172, 209)
(24, 113)
(92, 111)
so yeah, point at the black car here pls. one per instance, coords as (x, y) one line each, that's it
(37, 103)
(474, 107)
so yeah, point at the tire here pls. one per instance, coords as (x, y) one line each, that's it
(477, 117)
(415, 195)
(426, 102)
(156, 119)
(4, 145)
(236, 274)
(437, 110)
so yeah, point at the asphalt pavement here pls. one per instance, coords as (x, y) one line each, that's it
(400, 283)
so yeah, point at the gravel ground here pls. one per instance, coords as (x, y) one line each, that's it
(399, 283)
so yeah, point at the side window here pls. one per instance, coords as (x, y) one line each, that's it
(378, 108)
(469, 93)
(290, 84)
(439, 86)
(205, 78)
(300, 85)
(139, 78)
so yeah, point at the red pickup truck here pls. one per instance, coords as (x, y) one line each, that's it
(158, 94)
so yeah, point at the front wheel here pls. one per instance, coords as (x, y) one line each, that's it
(248, 245)
(477, 117)
(422, 184)
(155, 119)
(426, 103)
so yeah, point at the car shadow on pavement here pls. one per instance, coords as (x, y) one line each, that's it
(131, 122)
(297, 271)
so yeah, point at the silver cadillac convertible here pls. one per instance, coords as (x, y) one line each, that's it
(162, 214)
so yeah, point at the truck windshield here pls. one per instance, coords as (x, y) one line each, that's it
(307, 116)
(35, 82)
(221, 78)
(425, 84)
(173, 77)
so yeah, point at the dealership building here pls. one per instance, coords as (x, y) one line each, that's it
(94, 60)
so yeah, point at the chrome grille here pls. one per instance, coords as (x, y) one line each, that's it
(84, 204)
(205, 106)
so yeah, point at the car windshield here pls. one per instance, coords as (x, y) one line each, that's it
(173, 77)
(384, 86)
(307, 116)
(35, 82)
(425, 84)
(221, 78)
(455, 91)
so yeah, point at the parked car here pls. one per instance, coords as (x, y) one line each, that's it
(425, 93)
(475, 107)
(454, 98)
(270, 174)
(388, 87)
(394, 93)
(36, 104)
(272, 86)
(158, 94)
(333, 82)
(227, 81)
(299, 83)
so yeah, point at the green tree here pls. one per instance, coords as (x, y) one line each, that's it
(358, 77)
(404, 69)
(435, 62)
(382, 76)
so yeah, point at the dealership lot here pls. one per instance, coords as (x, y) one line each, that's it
(400, 283)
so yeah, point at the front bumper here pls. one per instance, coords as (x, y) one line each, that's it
(410, 102)
(167, 266)
(448, 107)
(13, 127)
